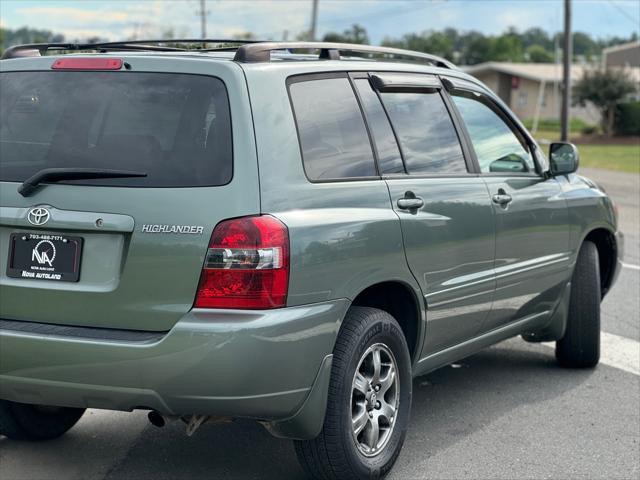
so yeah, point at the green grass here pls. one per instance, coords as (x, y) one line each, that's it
(575, 124)
(622, 158)
(551, 135)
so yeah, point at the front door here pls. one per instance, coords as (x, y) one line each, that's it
(532, 233)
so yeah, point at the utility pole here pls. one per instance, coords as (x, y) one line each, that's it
(203, 18)
(556, 82)
(314, 20)
(566, 72)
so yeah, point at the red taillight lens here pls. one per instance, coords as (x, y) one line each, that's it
(247, 265)
(87, 64)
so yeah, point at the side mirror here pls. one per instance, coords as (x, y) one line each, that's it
(564, 158)
(508, 164)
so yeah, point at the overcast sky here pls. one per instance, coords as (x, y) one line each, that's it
(119, 19)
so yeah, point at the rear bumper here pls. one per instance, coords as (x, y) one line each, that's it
(258, 364)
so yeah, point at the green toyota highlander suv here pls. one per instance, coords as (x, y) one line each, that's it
(286, 232)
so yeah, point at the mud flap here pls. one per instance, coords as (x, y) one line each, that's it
(558, 323)
(307, 422)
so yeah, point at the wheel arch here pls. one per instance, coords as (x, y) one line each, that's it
(401, 301)
(607, 245)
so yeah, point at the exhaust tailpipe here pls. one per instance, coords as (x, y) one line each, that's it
(159, 420)
(193, 421)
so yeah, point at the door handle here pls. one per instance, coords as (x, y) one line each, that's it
(410, 202)
(502, 198)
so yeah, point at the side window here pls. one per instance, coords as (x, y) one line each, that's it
(425, 131)
(498, 147)
(389, 157)
(333, 137)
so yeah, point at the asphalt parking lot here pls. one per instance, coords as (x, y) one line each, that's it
(507, 412)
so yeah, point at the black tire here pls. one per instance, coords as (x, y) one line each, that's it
(580, 346)
(21, 421)
(334, 454)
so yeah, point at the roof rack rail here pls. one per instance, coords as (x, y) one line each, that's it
(261, 52)
(37, 49)
(247, 51)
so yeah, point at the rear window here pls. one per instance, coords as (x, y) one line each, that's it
(174, 127)
(334, 140)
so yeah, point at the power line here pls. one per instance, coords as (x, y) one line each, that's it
(386, 13)
(390, 12)
(623, 12)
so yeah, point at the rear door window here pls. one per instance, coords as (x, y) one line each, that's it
(385, 142)
(333, 137)
(174, 127)
(426, 132)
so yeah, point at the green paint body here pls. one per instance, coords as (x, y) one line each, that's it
(479, 273)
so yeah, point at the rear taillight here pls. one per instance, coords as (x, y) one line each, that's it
(246, 266)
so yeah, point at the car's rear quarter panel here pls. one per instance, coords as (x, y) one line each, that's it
(344, 234)
(260, 364)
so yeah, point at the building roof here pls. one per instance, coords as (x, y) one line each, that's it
(627, 54)
(622, 46)
(549, 72)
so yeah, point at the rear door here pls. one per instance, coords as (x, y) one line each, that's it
(118, 252)
(532, 228)
(445, 212)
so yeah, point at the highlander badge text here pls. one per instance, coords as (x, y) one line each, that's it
(185, 229)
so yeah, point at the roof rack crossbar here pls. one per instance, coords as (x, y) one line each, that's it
(36, 49)
(261, 52)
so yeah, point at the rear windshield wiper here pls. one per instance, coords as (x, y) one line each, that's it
(56, 174)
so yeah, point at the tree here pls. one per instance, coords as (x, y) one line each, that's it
(584, 45)
(96, 39)
(440, 44)
(355, 34)
(605, 89)
(28, 35)
(539, 54)
(247, 35)
(437, 43)
(477, 49)
(23, 35)
(472, 47)
(304, 36)
(536, 36)
(615, 40)
(507, 47)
